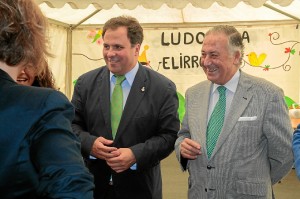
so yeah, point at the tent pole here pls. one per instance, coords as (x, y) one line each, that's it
(281, 12)
(86, 18)
(58, 23)
(68, 80)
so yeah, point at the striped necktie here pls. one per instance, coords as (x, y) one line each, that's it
(216, 121)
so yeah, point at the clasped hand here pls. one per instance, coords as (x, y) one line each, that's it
(119, 159)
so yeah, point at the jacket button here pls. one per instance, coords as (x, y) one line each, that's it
(209, 167)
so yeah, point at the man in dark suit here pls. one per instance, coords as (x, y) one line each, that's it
(127, 165)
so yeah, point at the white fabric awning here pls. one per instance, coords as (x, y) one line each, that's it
(155, 4)
(98, 12)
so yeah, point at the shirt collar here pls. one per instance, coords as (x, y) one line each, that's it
(129, 76)
(231, 84)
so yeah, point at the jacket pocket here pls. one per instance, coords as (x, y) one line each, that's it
(251, 188)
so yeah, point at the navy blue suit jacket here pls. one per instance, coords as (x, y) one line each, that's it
(40, 156)
(148, 126)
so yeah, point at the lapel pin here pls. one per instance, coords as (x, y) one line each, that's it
(143, 89)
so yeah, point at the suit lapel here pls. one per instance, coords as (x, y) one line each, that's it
(199, 109)
(136, 94)
(104, 99)
(239, 103)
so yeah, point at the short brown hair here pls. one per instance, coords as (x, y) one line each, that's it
(23, 34)
(134, 29)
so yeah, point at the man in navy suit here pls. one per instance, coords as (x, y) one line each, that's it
(39, 153)
(127, 166)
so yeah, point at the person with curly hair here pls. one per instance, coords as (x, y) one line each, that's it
(29, 78)
(39, 153)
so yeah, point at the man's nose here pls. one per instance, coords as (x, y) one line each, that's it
(204, 61)
(111, 52)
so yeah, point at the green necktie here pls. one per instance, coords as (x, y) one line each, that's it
(216, 121)
(116, 104)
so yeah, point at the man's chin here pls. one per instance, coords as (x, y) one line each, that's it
(114, 69)
(212, 78)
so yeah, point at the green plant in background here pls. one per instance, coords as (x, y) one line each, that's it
(289, 102)
(181, 108)
(74, 82)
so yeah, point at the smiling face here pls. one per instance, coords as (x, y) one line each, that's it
(217, 60)
(119, 55)
(12, 71)
(26, 77)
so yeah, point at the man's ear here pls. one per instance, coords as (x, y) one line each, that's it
(137, 49)
(237, 56)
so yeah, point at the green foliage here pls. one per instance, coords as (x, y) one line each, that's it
(289, 102)
(181, 108)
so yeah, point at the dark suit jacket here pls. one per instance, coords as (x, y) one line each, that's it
(40, 156)
(148, 126)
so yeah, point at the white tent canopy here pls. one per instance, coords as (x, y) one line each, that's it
(69, 17)
(155, 4)
(170, 11)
